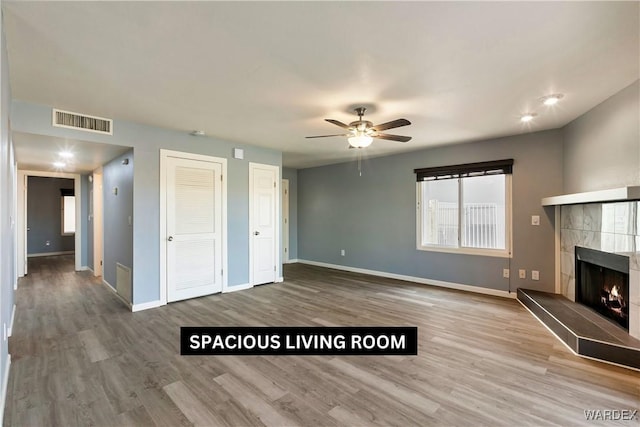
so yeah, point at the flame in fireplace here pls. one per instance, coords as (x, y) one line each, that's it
(614, 292)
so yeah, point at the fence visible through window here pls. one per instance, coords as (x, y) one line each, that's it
(482, 225)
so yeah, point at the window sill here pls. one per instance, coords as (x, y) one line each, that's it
(498, 253)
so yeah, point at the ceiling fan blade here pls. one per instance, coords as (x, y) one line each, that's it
(337, 123)
(392, 124)
(326, 136)
(398, 138)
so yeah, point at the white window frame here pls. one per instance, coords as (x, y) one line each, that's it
(62, 209)
(501, 253)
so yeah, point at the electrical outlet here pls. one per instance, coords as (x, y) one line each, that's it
(522, 274)
(47, 243)
(535, 275)
(342, 253)
(505, 273)
(535, 219)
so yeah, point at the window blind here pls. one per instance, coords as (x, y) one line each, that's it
(495, 167)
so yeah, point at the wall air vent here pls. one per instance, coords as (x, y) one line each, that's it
(69, 120)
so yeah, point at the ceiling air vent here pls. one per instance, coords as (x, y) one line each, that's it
(69, 120)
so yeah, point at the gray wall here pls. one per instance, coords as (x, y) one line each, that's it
(147, 142)
(118, 208)
(602, 147)
(292, 176)
(8, 272)
(373, 217)
(44, 216)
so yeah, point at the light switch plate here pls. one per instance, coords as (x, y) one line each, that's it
(238, 153)
(535, 219)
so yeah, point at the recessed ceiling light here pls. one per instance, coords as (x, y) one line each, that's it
(527, 117)
(65, 154)
(198, 133)
(552, 99)
(59, 164)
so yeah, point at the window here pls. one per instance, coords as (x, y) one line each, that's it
(68, 214)
(465, 208)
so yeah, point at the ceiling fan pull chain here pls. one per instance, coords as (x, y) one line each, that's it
(360, 164)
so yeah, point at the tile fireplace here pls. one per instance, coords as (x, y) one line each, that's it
(599, 233)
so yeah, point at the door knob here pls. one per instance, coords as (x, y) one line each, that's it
(256, 233)
(170, 238)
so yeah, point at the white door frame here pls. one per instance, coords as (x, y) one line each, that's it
(164, 154)
(276, 216)
(22, 216)
(98, 221)
(285, 220)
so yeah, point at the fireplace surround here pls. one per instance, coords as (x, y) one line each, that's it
(608, 227)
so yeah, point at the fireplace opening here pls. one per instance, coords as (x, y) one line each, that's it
(602, 283)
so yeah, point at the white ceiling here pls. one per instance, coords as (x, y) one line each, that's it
(267, 74)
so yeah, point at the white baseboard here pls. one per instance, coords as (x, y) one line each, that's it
(5, 385)
(13, 316)
(104, 282)
(84, 268)
(292, 261)
(146, 305)
(15, 285)
(279, 280)
(421, 280)
(115, 291)
(50, 254)
(236, 288)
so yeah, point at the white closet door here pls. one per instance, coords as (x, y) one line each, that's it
(194, 228)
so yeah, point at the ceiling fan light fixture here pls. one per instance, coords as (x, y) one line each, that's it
(360, 141)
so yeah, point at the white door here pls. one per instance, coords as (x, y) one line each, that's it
(194, 228)
(263, 222)
(285, 220)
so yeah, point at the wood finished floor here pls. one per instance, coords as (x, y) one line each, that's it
(79, 357)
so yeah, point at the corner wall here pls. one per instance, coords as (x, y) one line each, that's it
(117, 216)
(602, 147)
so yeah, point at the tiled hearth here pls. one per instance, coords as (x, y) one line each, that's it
(582, 329)
(607, 227)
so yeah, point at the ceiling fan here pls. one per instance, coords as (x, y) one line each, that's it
(361, 132)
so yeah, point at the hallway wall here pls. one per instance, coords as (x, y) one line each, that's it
(7, 221)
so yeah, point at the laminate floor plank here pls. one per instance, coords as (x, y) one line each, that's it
(191, 406)
(255, 404)
(80, 357)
